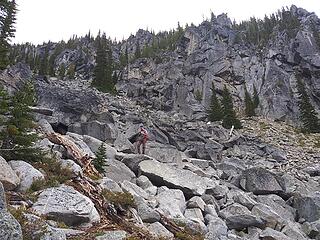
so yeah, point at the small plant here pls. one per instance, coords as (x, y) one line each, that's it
(100, 161)
(55, 175)
(121, 199)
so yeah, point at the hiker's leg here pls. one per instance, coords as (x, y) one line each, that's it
(144, 147)
(138, 146)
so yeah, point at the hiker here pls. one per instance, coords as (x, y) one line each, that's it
(142, 139)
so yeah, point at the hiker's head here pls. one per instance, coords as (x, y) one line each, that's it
(141, 125)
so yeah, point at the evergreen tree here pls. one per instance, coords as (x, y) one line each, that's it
(215, 111)
(100, 161)
(44, 62)
(103, 70)
(7, 20)
(229, 115)
(249, 105)
(62, 71)
(17, 136)
(256, 100)
(137, 53)
(308, 115)
(71, 71)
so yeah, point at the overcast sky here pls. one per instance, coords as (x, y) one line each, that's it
(43, 20)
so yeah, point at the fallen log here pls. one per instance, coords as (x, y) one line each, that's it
(44, 111)
(75, 152)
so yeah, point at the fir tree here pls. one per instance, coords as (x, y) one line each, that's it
(44, 62)
(256, 100)
(229, 115)
(62, 71)
(215, 111)
(71, 71)
(137, 53)
(102, 77)
(17, 136)
(249, 105)
(308, 115)
(99, 161)
(7, 20)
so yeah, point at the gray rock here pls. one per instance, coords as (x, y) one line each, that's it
(3, 203)
(102, 131)
(132, 160)
(194, 214)
(244, 199)
(8, 177)
(239, 217)
(67, 205)
(196, 202)
(9, 227)
(163, 174)
(261, 181)
(144, 182)
(278, 205)
(118, 171)
(45, 126)
(94, 144)
(269, 233)
(158, 230)
(271, 218)
(171, 202)
(216, 228)
(164, 153)
(110, 185)
(146, 213)
(71, 165)
(211, 210)
(308, 207)
(134, 189)
(26, 173)
(218, 191)
(113, 235)
(294, 231)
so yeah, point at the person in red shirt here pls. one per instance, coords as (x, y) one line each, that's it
(142, 139)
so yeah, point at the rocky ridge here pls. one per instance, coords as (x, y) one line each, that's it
(260, 182)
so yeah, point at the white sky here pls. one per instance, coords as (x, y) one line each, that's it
(43, 20)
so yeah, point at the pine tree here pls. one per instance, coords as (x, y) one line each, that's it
(44, 62)
(71, 71)
(103, 70)
(137, 53)
(62, 71)
(308, 115)
(249, 105)
(229, 115)
(99, 161)
(256, 100)
(215, 111)
(7, 20)
(17, 136)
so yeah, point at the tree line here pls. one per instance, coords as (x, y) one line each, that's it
(259, 31)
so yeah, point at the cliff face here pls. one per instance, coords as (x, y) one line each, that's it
(210, 53)
(179, 78)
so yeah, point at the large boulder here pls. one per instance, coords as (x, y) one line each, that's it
(308, 206)
(118, 171)
(27, 174)
(269, 233)
(239, 217)
(216, 228)
(171, 202)
(158, 230)
(9, 227)
(66, 205)
(8, 177)
(163, 153)
(261, 181)
(173, 177)
(94, 144)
